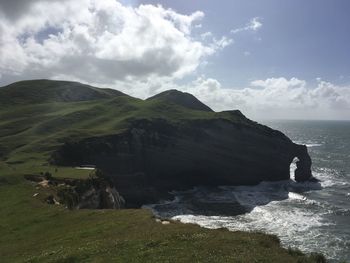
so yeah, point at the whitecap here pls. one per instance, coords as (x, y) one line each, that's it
(313, 144)
(282, 208)
(295, 226)
(309, 143)
(296, 196)
(329, 178)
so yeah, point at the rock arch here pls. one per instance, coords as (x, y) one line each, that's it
(303, 171)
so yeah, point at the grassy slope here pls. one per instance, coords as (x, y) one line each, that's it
(38, 128)
(40, 91)
(32, 231)
(185, 99)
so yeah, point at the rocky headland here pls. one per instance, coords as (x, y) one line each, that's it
(146, 148)
(154, 156)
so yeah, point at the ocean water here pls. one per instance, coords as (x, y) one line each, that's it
(313, 217)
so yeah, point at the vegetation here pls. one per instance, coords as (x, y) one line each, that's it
(34, 123)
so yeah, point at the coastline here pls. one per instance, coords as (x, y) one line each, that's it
(33, 231)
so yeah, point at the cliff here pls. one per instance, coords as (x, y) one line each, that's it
(155, 156)
(147, 147)
(95, 194)
(92, 193)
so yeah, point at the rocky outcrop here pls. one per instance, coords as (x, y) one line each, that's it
(94, 198)
(155, 156)
(303, 171)
(92, 193)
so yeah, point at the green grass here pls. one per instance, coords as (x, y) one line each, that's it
(33, 231)
(40, 117)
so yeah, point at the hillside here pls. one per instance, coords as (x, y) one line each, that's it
(37, 115)
(181, 98)
(45, 91)
(170, 141)
(143, 146)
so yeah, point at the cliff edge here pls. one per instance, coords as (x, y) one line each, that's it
(147, 147)
(155, 156)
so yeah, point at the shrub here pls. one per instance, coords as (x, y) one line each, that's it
(48, 176)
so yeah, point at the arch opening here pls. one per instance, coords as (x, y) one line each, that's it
(293, 167)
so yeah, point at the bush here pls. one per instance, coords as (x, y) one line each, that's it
(48, 176)
(100, 174)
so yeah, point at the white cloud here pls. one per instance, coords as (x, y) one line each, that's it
(221, 43)
(276, 98)
(99, 41)
(206, 35)
(262, 99)
(253, 25)
(144, 50)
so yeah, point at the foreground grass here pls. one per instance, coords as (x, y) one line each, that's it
(32, 231)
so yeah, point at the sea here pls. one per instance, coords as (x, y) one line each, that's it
(310, 216)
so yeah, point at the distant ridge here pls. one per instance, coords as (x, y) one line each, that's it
(183, 99)
(45, 91)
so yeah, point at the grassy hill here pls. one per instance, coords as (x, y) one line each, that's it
(46, 91)
(183, 99)
(38, 116)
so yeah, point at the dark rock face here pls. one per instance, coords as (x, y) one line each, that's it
(153, 157)
(93, 193)
(90, 195)
(107, 198)
(303, 171)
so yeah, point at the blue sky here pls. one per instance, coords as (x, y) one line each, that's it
(271, 59)
(304, 39)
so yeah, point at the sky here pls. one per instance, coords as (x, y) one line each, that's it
(271, 59)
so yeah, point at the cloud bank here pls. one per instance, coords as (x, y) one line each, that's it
(272, 98)
(142, 51)
(99, 41)
(277, 98)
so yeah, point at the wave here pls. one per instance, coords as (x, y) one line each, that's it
(329, 177)
(300, 214)
(274, 209)
(309, 143)
(313, 144)
(283, 208)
